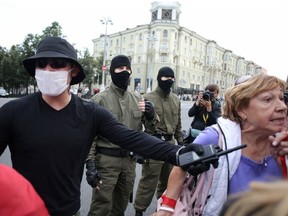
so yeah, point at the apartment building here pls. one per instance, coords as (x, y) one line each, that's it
(196, 60)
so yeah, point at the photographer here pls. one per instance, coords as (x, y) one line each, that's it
(205, 110)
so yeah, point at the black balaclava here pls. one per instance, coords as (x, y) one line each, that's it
(120, 79)
(167, 84)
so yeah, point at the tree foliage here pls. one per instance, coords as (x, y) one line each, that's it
(13, 76)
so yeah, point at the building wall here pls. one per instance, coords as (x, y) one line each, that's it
(195, 60)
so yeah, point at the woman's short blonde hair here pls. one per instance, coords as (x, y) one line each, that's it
(238, 97)
(263, 199)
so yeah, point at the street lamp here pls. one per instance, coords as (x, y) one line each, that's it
(151, 39)
(104, 21)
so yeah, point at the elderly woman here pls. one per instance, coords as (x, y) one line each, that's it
(253, 111)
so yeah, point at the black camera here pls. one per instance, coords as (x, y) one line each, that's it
(208, 96)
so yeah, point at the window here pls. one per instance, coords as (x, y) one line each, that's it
(164, 58)
(164, 45)
(208, 60)
(165, 33)
(209, 49)
(137, 84)
(140, 36)
(154, 15)
(140, 48)
(166, 14)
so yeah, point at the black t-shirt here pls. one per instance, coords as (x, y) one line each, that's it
(49, 147)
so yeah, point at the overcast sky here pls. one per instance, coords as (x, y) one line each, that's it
(254, 29)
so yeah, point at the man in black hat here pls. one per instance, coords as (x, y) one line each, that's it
(155, 173)
(118, 169)
(49, 133)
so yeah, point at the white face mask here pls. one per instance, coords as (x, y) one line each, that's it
(52, 83)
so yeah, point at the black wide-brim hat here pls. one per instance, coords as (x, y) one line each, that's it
(55, 47)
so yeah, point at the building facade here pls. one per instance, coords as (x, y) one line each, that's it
(195, 60)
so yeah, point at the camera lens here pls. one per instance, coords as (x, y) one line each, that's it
(206, 97)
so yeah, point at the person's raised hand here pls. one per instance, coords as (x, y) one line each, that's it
(149, 110)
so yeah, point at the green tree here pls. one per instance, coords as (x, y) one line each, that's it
(14, 77)
(89, 64)
(54, 30)
(3, 53)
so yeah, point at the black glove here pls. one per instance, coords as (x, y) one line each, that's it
(196, 168)
(149, 110)
(93, 177)
(139, 159)
(215, 160)
(203, 166)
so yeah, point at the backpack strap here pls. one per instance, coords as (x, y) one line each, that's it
(204, 185)
(197, 191)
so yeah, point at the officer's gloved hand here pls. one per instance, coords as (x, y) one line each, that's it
(203, 166)
(195, 169)
(139, 159)
(215, 160)
(93, 177)
(198, 168)
(149, 110)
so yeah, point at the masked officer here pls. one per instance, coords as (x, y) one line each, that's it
(167, 106)
(116, 166)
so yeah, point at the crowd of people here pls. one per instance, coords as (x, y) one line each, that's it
(54, 136)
